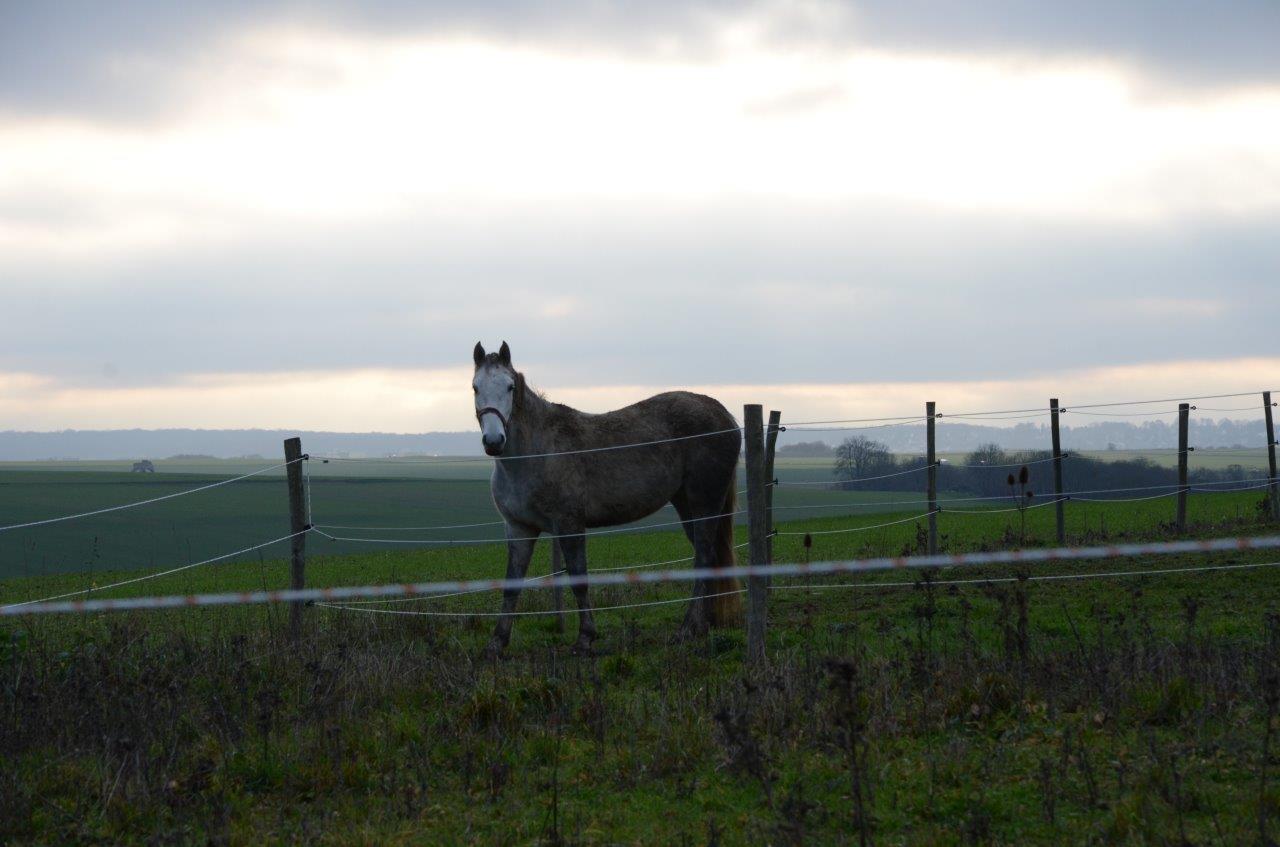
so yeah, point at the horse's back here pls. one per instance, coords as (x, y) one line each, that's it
(696, 451)
(619, 466)
(677, 414)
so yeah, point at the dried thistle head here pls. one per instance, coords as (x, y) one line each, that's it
(1024, 475)
(1010, 480)
(808, 541)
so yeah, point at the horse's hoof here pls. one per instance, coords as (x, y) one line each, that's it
(492, 651)
(582, 648)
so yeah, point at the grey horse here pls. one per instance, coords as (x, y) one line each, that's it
(692, 466)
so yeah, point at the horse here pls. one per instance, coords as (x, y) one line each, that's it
(561, 471)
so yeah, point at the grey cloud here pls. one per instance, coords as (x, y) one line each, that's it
(125, 61)
(726, 294)
(1191, 41)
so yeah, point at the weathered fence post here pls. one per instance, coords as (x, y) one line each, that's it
(1184, 415)
(1057, 470)
(770, 478)
(1271, 456)
(294, 458)
(932, 459)
(557, 591)
(758, 528)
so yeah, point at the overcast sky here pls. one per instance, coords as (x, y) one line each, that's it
(260, 214)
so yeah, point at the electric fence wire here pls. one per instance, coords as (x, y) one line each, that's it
(328, 595)
(858, 528)
(145, 577)
(1250, 484)
(590, 533)
(149, 501)
(804, 586)
(1028, 578)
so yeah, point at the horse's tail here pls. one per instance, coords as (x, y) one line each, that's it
(726, 610)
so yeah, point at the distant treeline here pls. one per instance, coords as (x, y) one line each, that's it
(985, 472)
(955, 435)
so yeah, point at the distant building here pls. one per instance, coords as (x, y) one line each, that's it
(145, 466)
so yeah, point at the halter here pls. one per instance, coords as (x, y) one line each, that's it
(489, 410)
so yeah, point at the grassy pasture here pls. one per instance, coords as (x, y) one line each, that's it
(394, 493)
(355, 563)
(412, 493)
(1112, 710)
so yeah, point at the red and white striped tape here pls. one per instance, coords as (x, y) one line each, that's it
(1155, 548)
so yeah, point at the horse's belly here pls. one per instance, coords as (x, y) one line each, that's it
(614, 514)
(629, 497)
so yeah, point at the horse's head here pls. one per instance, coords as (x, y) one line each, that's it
(497, 387)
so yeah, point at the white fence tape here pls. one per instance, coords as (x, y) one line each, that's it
(1155, 548)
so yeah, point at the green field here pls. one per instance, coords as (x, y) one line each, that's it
(407, 492)
(393, 493)
(1117, 709)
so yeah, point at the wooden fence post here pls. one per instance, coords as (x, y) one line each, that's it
(770, 477)
(294, 458)
(557, 591)
(932, 459)
(757, 592)
(1057, 471)
(1184, 415)
(1271, 455)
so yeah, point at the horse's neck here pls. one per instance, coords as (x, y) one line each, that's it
(534, 431)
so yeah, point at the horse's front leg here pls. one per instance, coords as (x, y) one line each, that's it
(520, 541)
(574, 550)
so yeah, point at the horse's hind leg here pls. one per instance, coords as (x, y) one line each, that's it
(701, 534)
(573, 548)
(520, 541)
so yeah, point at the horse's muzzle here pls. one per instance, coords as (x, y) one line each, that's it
(493, 444)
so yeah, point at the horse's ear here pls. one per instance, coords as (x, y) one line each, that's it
(478, 354)
(504, 354)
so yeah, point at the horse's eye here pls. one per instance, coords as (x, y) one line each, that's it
(511, 388)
